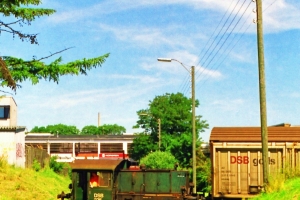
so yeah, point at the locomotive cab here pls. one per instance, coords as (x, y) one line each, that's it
(93, 184)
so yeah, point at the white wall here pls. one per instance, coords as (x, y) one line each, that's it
(20, 148)
(12, 147)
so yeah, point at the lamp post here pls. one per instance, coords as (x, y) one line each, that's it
(159, 128)
(192, 73)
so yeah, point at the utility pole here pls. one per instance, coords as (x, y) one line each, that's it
(194, 129)
(262, 92)
(192, 74)
(159, 133)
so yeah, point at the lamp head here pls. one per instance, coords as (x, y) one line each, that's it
(164, 59)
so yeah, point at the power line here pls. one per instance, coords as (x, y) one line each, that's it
(228, 34)
(217, 37)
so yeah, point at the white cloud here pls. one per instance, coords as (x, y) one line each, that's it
(138, 78)
(228, 104)
(146, 37)
(278, 15)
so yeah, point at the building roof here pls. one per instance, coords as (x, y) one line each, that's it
(103, 164)
(253, 134)
(12, 128)
(44, 138)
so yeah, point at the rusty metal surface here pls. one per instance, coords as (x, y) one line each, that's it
(103, 164)
(253, 134)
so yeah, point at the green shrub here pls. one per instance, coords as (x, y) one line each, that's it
(36, 165)
(56, 166)
(159, 160)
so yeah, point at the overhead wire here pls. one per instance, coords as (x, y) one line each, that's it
(228, 35)
(211, 57)
(185, 86)
(208, 49)
(236, 41)
(269, 5)
(213, 34)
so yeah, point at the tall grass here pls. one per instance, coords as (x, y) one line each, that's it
(23, 184)
(282, 186)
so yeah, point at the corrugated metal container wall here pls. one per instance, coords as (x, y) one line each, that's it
(237, 168)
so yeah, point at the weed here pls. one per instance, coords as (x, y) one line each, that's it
(36, 165)
(3, 162)
(18, 186)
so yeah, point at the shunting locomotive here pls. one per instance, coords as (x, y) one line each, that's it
(122, 179)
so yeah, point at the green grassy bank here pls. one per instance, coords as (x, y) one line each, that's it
(282, 190)
(24, 184)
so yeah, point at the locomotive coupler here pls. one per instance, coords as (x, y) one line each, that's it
(62, 196)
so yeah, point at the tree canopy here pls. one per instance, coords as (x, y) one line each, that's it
(105, 129)
(16, 70)
(175, 114)
(62, 129)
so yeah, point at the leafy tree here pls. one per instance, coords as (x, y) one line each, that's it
(203, 172)
(16, 70)
(37, 129)
(90, 130)
(106, 129)
(159, 160)
(142, 145)
(60, 129)
(174, 112)
(112, 129)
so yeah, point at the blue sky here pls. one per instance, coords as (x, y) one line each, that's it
(217, 37)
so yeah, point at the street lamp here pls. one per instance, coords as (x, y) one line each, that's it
(159, 128)
(192, 73)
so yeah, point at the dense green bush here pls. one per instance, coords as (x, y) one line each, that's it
(159, 160)
(56, 166)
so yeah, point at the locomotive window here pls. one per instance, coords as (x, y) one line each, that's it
(100, 179)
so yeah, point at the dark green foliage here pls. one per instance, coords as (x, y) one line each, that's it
(60, 129)
(90, 130)
(35, 70)
(22, 15)
(142, 145)
(159, 160)
(16, 70)
(56, 166)
(203, 172)
(174, 112)
(112, 129)
(106, 129)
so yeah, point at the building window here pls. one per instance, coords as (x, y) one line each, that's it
(4, 112)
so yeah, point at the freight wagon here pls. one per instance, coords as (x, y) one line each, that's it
(236, 156)
(121, 179)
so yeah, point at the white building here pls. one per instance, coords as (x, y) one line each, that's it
(12, 137)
